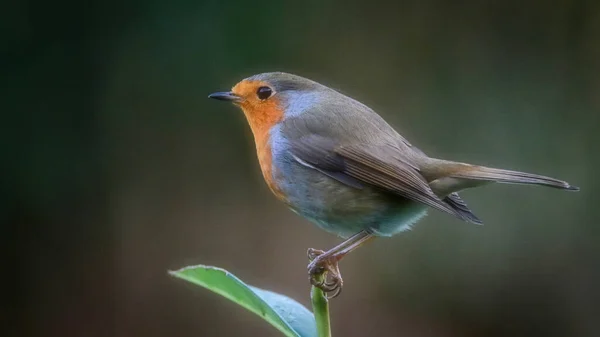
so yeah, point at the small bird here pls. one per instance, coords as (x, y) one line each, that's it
(337, 163)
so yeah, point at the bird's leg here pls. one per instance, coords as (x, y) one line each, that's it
(327, 263)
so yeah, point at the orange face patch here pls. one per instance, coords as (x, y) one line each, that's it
(262, 115)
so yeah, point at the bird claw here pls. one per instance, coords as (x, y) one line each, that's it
(331, 281)
(336, 292)
(313, 253)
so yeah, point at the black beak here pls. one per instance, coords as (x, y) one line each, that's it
(225, 96)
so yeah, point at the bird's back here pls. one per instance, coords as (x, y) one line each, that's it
(340, 117)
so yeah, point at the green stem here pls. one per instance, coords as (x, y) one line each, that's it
(320, 306)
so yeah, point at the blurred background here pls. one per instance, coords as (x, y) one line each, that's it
(116, 167)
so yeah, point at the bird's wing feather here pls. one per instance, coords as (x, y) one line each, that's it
(380, 166)
(461, 207)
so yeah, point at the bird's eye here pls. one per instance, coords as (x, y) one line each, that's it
(264, 92)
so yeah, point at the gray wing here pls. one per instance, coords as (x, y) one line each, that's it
(379, 166)
(349, 142)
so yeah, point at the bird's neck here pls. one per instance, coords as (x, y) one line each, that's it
(261, 118)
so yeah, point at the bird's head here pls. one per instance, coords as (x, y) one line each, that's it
(269, 97)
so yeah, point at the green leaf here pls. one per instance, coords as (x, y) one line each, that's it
(285, 314)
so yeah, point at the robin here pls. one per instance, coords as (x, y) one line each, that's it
(336, 162)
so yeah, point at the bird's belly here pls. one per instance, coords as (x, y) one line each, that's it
(341, 209)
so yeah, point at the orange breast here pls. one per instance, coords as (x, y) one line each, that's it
(265, 159)
(262, 116)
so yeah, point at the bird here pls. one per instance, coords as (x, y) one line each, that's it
(339, 164)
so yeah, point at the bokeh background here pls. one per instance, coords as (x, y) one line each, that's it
(117, 168)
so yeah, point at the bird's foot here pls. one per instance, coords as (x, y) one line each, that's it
(324, 272)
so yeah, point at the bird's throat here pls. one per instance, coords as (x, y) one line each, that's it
(261, 118)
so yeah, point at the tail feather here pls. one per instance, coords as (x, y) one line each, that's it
(510, 177)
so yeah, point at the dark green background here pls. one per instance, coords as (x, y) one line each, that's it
(116, 167)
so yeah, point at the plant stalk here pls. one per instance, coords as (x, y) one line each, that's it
(320, 305)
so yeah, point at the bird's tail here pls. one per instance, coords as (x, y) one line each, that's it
(482, 173)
